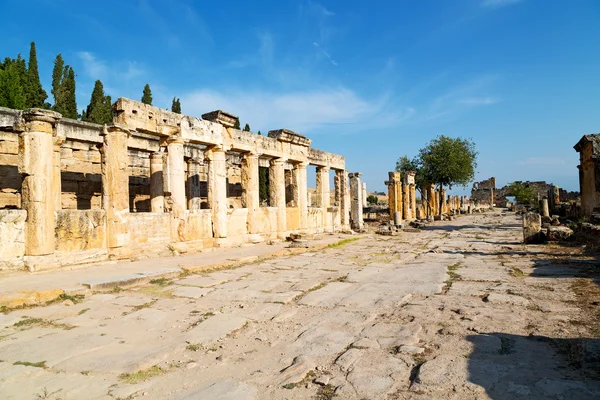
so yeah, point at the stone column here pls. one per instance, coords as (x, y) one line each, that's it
(323, 187)
(57, 187)
(217, 190)
(394, 194)
(250, 190)
(176, 172)
(436, 198)
(364, 194)
(429, 189)
(413, 200)
(277, 194)
(157, 196)
(544, 211)
(444, 205)
(115, 189)
(193, 184)
(406, 215)
(344, 199)
(36, 163)
(301, 193)
(356, 203)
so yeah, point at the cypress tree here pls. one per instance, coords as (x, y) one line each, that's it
(68, 93)
(12, 77)
(246, 128)
(147, 95)
(259, 133)
(237, 124)
(176, 106)
(99, 111)
(57, 74)
(36, 95)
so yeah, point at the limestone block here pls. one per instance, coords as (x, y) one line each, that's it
(556, 233)
(532, 226)
(9, 147)
(80, 229)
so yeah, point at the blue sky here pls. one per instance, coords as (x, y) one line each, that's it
(372, 80)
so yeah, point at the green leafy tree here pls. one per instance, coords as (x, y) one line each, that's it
(237, 124)
(36, 95)
(99, 111)
(246, 128)
(57, 77)
(176, 106)
(447, 161)
(13, 83)
(147, 95)
(259, 133)
(372, 200)
(523, 193)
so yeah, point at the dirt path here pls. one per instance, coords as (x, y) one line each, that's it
(460, 310)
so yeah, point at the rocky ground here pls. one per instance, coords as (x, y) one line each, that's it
(459, 310)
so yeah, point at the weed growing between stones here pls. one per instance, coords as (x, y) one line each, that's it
(83, 311)
(142, 375)
(341, 243)
(39, 364)
(516, 272)
(29, 323)
(161, 282)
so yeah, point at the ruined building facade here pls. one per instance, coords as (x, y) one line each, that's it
(153, 182)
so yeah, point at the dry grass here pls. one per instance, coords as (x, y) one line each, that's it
(142, 375)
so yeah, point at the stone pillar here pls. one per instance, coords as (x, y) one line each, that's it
(364, 194)
(217, 190)
(544, 211)
(176, 173)
(344, 199)
(356, 203)
(157, 196)
(429, 189)
(413, 200)
(57, 187)
(532, 226)
(406, 202)
(301, 193)
(115, 189)
(277, 194)
(394, 194)
(323, 187)
(250, 190)
(36, 163)
(193, 184)
(443, 198)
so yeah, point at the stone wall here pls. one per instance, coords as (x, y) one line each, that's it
(80, 230)
(12, 238)
(10, 178)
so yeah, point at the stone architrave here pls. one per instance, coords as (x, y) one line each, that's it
(277, 193)
(193, 184)
(157, 196)
(344, 199)
(217, 189)
(115, 189)
(36, 163)
(356, 206)
(176, 173)
(323, 187)
(250, 190)
(301, 192)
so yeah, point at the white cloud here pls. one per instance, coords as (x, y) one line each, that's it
(498, 3)
(543, 161)
(95, 68)
(302, 111)
(326, 54)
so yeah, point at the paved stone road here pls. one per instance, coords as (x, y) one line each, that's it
(460, 310)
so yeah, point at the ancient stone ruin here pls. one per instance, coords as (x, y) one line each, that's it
(156, 182)
(588, 148)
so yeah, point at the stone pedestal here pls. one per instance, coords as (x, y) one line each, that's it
(217, 190)
(544, 211)
(176, 173)
(356, 203)
(157, 197)
(250, 190)
(301, 193)
(532, 226)
(36, 163)
(277, 194)
(115, 189)
(323, 187)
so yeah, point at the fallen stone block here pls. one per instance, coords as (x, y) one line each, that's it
(556, 233)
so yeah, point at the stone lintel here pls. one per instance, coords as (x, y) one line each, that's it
(288, 136)
(221, 117)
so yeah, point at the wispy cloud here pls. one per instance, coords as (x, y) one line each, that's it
(301, 111)
(498, 3)
(479, 101)
(543, 161)
(92, 66)
(96, 68)
(326, 54)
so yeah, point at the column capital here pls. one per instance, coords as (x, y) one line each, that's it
(323, 168)
(301, 165)
(277, 161)
(250, 154)
(115, 128)
(175, 140)
(40, 120)
(157, 155)
(354, 175)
